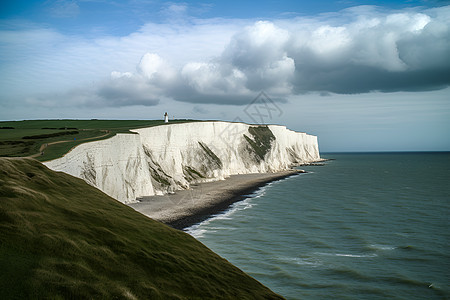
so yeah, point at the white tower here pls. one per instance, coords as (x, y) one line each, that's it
(166, 118)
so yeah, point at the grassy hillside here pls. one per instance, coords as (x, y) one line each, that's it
(49, 139)
(61, 238)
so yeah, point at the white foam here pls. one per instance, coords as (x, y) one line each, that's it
(301, 261)
(357, 255)
(382, 247)
(347, 255)
(196, 232)
(197, 229)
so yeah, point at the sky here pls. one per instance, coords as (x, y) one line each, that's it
(361, 77)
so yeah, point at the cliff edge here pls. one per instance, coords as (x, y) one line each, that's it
(161, 159)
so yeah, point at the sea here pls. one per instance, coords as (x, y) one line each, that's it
(361, 226)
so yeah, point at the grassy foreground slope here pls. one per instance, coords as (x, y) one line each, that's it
(61, 238)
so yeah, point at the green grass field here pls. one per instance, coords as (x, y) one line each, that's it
(61, 238)
(59, 135)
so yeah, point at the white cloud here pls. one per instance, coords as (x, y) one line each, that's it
(117, 75)
(369, 50)
(229, 61)
(147, 86)
(155, 68)
(373, 50)
(259, 52)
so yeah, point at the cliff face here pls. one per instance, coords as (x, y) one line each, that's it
(162, 159)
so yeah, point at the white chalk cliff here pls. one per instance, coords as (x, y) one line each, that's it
(162, 159)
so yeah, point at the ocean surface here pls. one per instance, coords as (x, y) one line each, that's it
(363, 226)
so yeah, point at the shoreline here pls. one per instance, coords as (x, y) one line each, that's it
(189, 207)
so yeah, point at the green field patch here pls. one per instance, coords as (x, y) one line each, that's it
(50, 139)
(49, 135)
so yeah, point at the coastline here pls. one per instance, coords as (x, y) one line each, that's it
(189, 207)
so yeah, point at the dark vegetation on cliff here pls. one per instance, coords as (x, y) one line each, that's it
(62, 238)
(260, 141)
(211, 157)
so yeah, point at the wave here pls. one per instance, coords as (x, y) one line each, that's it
(244, 204)
(346, 272)
(347, 255)
(356, 255)
(408, 281)
(198, 230)
(301, 261)
(379, 247)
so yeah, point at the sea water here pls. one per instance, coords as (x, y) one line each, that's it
(363, 226)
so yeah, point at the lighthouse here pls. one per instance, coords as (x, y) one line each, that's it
(166, 118)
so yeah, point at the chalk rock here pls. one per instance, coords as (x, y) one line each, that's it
(162, 159)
